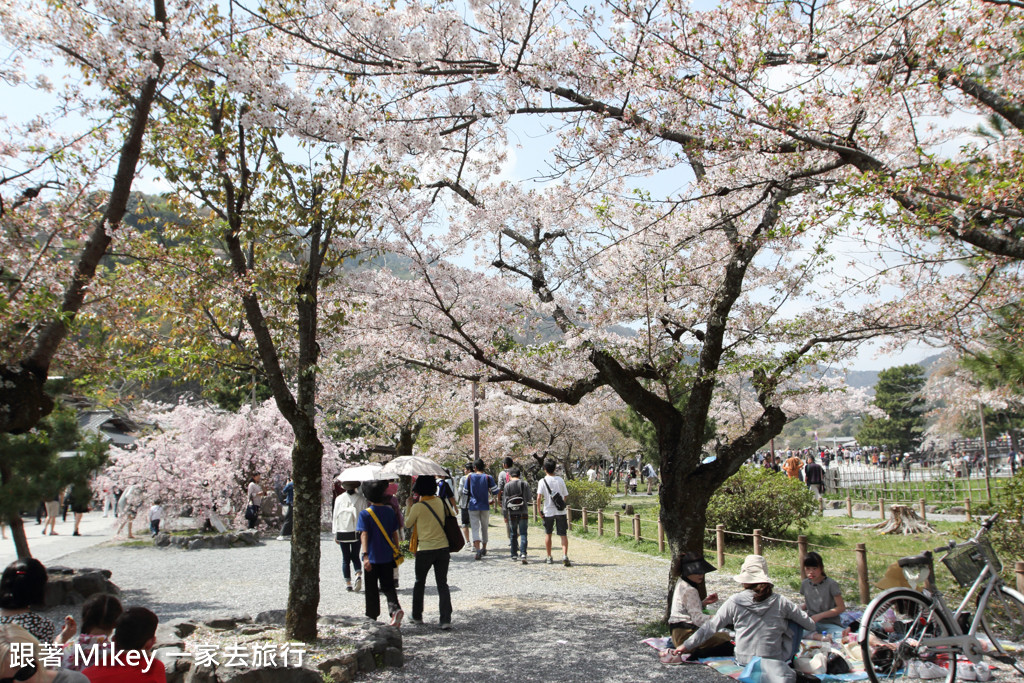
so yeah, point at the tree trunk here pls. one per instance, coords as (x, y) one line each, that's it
(304, 577)
(20, 539)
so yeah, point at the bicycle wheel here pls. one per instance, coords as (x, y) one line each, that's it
(893, 650)
(1003, 623)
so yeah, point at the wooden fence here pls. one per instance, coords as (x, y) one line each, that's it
(585, 520)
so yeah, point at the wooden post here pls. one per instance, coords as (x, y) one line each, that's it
(881, 507)
(584, 515)
(821, 506)
(636, 528)
(568, 517)
(801, 553)
(862, 573)
(1019, 570)
(661, 537)
(967, 508)
(600, 522)
(720, 544)
(920, 504)
(618, 524)
(757, 541)
(849, 506)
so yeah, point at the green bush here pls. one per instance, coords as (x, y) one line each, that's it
(1008, 535)
(592, 495)
(757, 498)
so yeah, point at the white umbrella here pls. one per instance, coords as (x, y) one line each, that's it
(413, 466)
(364, 473)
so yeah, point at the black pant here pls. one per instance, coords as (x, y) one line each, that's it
(438, 560)
(286, 528)
(384, 575)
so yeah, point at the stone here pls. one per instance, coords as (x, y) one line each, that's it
(393, 657)
(59, 569)
(365, 660)
(273, 616)
(201, 674)
(278, 674)
(248, 538)
(87, 583)
(182, 628)
(106, 572)
(221, 541)
(339, 674)
(162, 540)
(167, 637)
(228, 622)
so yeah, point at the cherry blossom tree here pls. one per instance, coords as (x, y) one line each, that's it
(66, 174)
(200, 459)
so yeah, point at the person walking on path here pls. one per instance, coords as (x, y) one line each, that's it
(479, 486)
(814, 476)
(425, 513)
(652, 478)
(550, 491)
(463, 501)
(52, 510)
(517, 513)
(254, 493)
(378, 534)
(503, 477)
(347, 507)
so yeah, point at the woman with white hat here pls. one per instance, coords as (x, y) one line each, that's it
(761, 620)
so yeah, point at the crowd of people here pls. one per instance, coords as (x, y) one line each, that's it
(369, 522)
(114, 644)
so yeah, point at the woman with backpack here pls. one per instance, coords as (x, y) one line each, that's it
(347, 507)
(425, 512)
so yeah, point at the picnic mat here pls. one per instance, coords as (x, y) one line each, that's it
(727, 666)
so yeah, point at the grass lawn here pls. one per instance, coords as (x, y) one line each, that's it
(825, 535)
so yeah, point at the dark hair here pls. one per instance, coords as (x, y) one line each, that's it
(23, 584)
(549, 465)
(762, 591)
(425, 486)
(468, 467)
(101, 611)
(813, 559)
(374, 490)
(134, 628)
(514, 471)
(479, 465)
(508, 462)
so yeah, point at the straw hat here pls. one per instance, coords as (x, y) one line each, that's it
(754, 570)
(893, 578)
(693, 562)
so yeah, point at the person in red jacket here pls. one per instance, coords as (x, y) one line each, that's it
(130, 659)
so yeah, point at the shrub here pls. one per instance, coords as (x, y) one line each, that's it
(592, 495)
(757, 498)
(1008, 535)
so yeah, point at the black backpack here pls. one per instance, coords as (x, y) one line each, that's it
(515, 503)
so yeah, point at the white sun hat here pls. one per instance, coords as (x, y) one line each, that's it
(754, 570)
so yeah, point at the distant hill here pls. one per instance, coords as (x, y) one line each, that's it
(868, 378)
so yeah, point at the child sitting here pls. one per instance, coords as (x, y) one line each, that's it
(823, 599)
(687, 613)
(762, 623)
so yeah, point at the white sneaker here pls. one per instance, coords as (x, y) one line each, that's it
(965, 671)
(359, 582)
(930, 670)
(984, 673)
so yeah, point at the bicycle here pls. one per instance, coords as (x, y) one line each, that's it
(902, 625)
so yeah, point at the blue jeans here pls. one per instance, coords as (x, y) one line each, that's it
(350, 555)
(518, 526)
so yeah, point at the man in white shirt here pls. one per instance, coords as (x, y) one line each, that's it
(551, 490)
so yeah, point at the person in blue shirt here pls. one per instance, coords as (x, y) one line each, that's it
(479, 486)
(378, 553)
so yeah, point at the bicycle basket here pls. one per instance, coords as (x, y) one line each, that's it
(967, 560)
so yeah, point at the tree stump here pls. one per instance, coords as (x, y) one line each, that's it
(903, 521)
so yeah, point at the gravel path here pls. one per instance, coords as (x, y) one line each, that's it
(511, 622)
